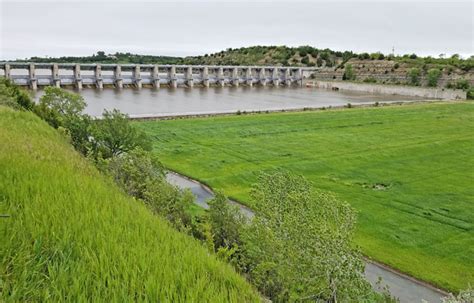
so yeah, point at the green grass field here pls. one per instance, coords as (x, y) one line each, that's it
(408, 170)
(70, 235)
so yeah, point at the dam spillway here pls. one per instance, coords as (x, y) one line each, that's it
(34, 75)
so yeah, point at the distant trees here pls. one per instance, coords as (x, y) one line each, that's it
(348, 73)
(433, 76)
(414, 76)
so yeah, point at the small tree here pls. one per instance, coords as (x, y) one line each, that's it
(299, 245)
(61, 108)
(348, 73)
(433, 76)
(414, 76)
(114, 135)
(226, 221)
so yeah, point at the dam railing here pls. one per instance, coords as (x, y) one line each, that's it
(34, 75)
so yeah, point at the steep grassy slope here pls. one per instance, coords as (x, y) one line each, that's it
(68, 234)
(408, 170)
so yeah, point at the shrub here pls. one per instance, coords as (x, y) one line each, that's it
(396, 65)
(13, 96)
(433, 76)
(370, 80)
(348, 73)
(470, 94)
(63, 109)
(226, 220)
(114, 135)
(299, 243)
(414, 76)
(462, 84)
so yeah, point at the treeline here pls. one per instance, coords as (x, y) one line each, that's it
(298, 247)
(117, 58)
(271, 55)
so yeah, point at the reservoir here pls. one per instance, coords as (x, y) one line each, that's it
(199, 100)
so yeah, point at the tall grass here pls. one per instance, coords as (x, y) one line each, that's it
(70, 234)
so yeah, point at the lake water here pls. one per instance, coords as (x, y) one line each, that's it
(182, 101)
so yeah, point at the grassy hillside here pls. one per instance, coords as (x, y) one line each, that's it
(69, 234)
(408, 170)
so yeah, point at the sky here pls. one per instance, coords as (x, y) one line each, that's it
(182, 28)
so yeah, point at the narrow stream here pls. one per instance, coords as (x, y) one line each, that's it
(406, 289)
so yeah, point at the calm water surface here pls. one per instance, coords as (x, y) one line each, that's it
(166, 101)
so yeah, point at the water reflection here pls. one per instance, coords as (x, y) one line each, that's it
(200, 100)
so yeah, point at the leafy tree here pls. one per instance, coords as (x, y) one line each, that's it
(57, 106)
(226, 221)
(12, 95)
(299, 244)
(61, 108)
(348, 73)
(414, 76)
(114, 135)
(433, 76)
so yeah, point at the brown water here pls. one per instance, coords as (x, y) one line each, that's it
(166, 101)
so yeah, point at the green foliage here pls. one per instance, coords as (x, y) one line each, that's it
(57, 106)
(299, 243)
(370, 80)
(348, 73)
(141, 176)
(72, 236)
(226, 220)
(433, 76)
(114, 135)
(395, 206)
(462, 84)
(464, 296)
(413, 75)
(63, 109)
(470, 93)
(13, 96)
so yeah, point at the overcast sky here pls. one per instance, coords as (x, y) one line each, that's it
(59, 28)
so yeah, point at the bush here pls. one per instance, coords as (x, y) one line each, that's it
(414, 76)
(348, 73)
(299, 243)
(226, 220)
(63, 109)
(470, 94)
(462, 84)
(142, 176)
(114, 135)
(13, 96)
(433, 76)
(370, 80)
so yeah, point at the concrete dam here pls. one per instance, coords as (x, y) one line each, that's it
(34, 75)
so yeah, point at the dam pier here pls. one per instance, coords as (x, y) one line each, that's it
(34, 75)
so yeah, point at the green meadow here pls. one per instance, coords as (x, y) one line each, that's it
(407, 170)
(69, 234)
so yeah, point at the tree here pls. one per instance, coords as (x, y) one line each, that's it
(414, 76)
(61, 108)
(299, 244)
(433, 76)
(348, 73)
(58, 105)
(226, 221)
(114, 135)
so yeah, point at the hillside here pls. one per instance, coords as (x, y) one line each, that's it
(69, 234)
